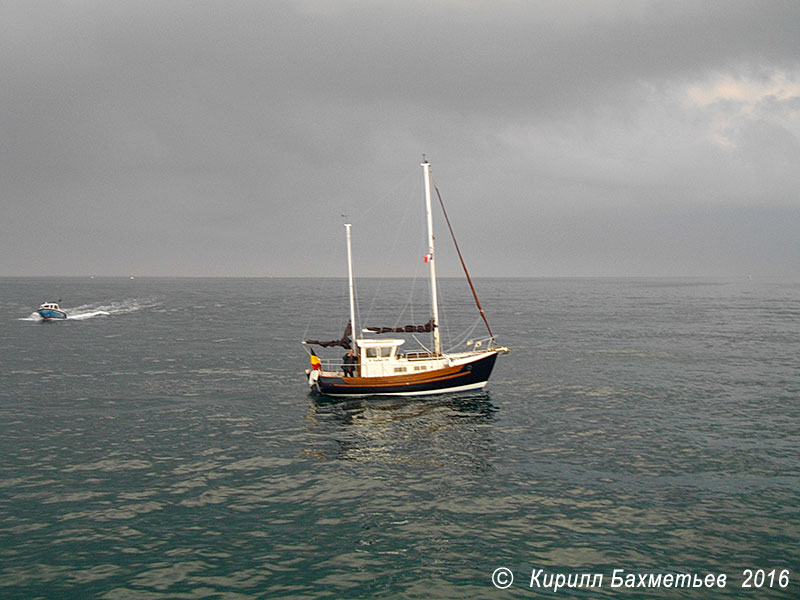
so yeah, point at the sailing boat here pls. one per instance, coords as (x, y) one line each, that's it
(376, 366)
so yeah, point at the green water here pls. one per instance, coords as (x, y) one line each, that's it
(161, 443)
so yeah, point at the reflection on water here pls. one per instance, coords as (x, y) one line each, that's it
(476, 406)
(441, 430)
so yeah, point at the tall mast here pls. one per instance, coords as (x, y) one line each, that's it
(350, 281)
(426, 169)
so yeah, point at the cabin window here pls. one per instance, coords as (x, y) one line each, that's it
(418, 368)
(399, 369)
(379, 352)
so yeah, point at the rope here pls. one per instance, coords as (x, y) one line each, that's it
(463, 264)
(316, 305)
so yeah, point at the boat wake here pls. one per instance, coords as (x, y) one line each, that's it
(92, 311)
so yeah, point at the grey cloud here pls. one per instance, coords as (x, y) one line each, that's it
(217, 138)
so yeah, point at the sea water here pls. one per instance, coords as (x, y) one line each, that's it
(162, 443)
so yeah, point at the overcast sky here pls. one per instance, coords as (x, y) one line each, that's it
(568, 138)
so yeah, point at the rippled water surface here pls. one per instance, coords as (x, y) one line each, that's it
(161, 443)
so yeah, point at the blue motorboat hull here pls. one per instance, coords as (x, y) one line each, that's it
(50, 314)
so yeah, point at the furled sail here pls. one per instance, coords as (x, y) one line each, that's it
(404, 329)
(344, 341)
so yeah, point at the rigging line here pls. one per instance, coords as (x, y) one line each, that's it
(353, 331)
(463, 264)
(399, 230)
(419, 274)
(421, 345)
(465, 335)
(413, 291)
(388, 198)
(444, 316)
(411, 299)
(384, 200)
(316, 305)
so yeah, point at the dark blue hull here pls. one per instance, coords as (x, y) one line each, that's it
(470, 376)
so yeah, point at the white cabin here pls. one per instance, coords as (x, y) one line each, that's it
(378, 358)
(381, 358)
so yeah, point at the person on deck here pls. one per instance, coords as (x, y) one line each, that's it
(349, 363)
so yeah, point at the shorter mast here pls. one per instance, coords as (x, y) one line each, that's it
(352, 295)
(426, 169)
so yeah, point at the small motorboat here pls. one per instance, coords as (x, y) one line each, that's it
(51, 311)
